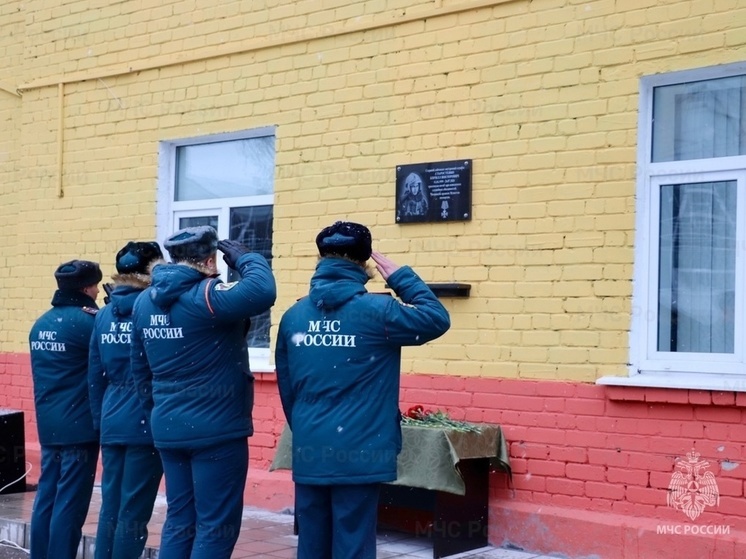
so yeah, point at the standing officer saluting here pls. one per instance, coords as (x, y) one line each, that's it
(338, 366)
(190, 362)
(69, 443)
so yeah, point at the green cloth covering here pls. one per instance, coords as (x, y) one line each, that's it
(429, 456)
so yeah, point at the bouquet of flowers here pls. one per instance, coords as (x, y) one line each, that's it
(421, 417)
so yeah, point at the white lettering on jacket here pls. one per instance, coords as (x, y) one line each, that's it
(162, 333)
(119, 333)
(46, 342)
(116, 338)
(324, 333)
(161, 320)
(48, 346)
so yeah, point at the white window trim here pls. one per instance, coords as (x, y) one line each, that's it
(691, 381)
(657, 369)
(645, 327)
(168, 211)
(167, 175)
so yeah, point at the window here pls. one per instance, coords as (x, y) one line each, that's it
(688, 324)
(226, 181)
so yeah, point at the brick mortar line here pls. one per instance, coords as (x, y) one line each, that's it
(289, 37)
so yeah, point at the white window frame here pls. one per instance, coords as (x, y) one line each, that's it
(647, 366)
(169, 211)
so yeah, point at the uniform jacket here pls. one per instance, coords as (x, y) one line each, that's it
(338, 368)
(58, 344)
(115, 406)
(189, 356)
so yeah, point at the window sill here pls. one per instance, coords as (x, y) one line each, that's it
(693, 389)
(691, 381)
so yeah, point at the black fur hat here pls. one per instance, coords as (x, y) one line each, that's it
(136, 257)
(77, 274)
(345, 238)
(193, 243)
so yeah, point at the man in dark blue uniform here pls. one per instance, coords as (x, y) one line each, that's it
(338, 367)
(58, 343)
(190, 364)
(132, 465)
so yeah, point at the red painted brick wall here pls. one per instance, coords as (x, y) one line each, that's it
(17, 393)
(16, 389)
(591, 464)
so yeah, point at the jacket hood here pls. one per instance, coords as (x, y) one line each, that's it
(336, 281)
(170, 281)
(122, 299)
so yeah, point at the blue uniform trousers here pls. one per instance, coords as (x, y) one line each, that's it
(336, 521)
(128, 489)
(62, 500)
(204, 491)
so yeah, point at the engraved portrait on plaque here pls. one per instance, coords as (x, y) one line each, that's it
(433, 192)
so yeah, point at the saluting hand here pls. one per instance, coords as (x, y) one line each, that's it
(384, 266)
(232, 251)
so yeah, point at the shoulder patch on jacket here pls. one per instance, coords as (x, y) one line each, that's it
(226, 286)
(89, 310)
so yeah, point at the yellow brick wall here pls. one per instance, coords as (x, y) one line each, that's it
(11, 62)
(542, 95)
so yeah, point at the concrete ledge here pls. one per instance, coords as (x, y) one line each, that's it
(18, 531)
(14, 531)
(583, 533)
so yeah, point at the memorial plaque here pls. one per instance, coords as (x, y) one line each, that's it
(432, 192)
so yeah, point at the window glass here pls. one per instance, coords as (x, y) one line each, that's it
(227, 169)
(697, 267)
(228, 184)
(698, 120)
(198, 221)
(252, 227)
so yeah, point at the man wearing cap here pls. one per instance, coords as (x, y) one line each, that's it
(69, 442)
(132, 465)
(338, 367)
(190, 364)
